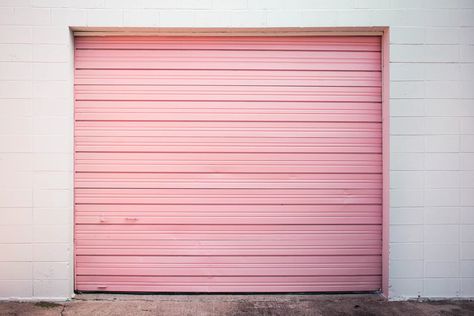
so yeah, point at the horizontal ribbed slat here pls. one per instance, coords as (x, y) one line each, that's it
(228, 164)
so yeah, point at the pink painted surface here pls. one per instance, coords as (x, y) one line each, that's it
(228, 164)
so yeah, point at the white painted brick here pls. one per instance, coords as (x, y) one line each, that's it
(442, 143)
(442, 125)
(248, 18)
(440, 71)
(467, 161)
(406, 198)
(190, 4)
(104, 17)
(407, 107)
(467, 251)
(467, 179)
(52, 252)
(407, 71)
(451, 4)
(441, 233)
(409, 287)
(466, 72)
(467, 143)
(52, 162)
(51, 270)
(406, 251)
(45, 89)
(52, 198)
(52, 3)
(69, 17)
(441, 287)
(89, 4)
(406, 161)
(32, 16)
(354, 18)
(436, 269)
(442, 35)
(372, 4)
(406, 125)
(407, 89)
(407, 4)
(51, 288)
(441, 17)
(16, 143)
(230, 4)
(21, 125)
(51, 53)
(406, 179)
(441, 215)
(448, 89)
(16, 252)
(406, 233)
(284, 18)
(406, 269)
(16, 216)
(442, 197)
(467, 125)
(467, 269)
(407, 144)
(53, 143)
(51, 35)
(442, 179)
(441, 252)
(51, 233)
(55, 216)
(465, 35)
(467, 215)
(16, 162)
(16, 89)
(51, 125)
(16, 234)
(15, 71)
(177, 18)
(264, 4)
(442, 161)
(62, 107)
(16, 289)
(318, 18)
(16, 107)
(467, 197)
(15, 271)
(16, 180)
(467, 287)
(15, 3)
(452, 107)
(52, 180)
(141, 18)
(407, 35)
(15, 198)
(50, 71)
(467, 233)
(16, 52)
(406, 53)
(213, 18)
(406, 216)
(16, 34)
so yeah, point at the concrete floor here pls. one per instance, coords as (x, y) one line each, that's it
(285, 305)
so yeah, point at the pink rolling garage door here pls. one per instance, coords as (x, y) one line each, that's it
(228, 164)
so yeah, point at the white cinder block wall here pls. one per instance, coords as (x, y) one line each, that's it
(432, 128)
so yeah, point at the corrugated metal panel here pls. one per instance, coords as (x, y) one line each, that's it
(221, 164)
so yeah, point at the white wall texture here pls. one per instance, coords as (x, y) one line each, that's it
(431, 132)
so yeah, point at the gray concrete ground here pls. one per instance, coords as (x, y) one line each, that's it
(194, 305)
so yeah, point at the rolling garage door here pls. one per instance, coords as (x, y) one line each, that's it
(228, 164)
